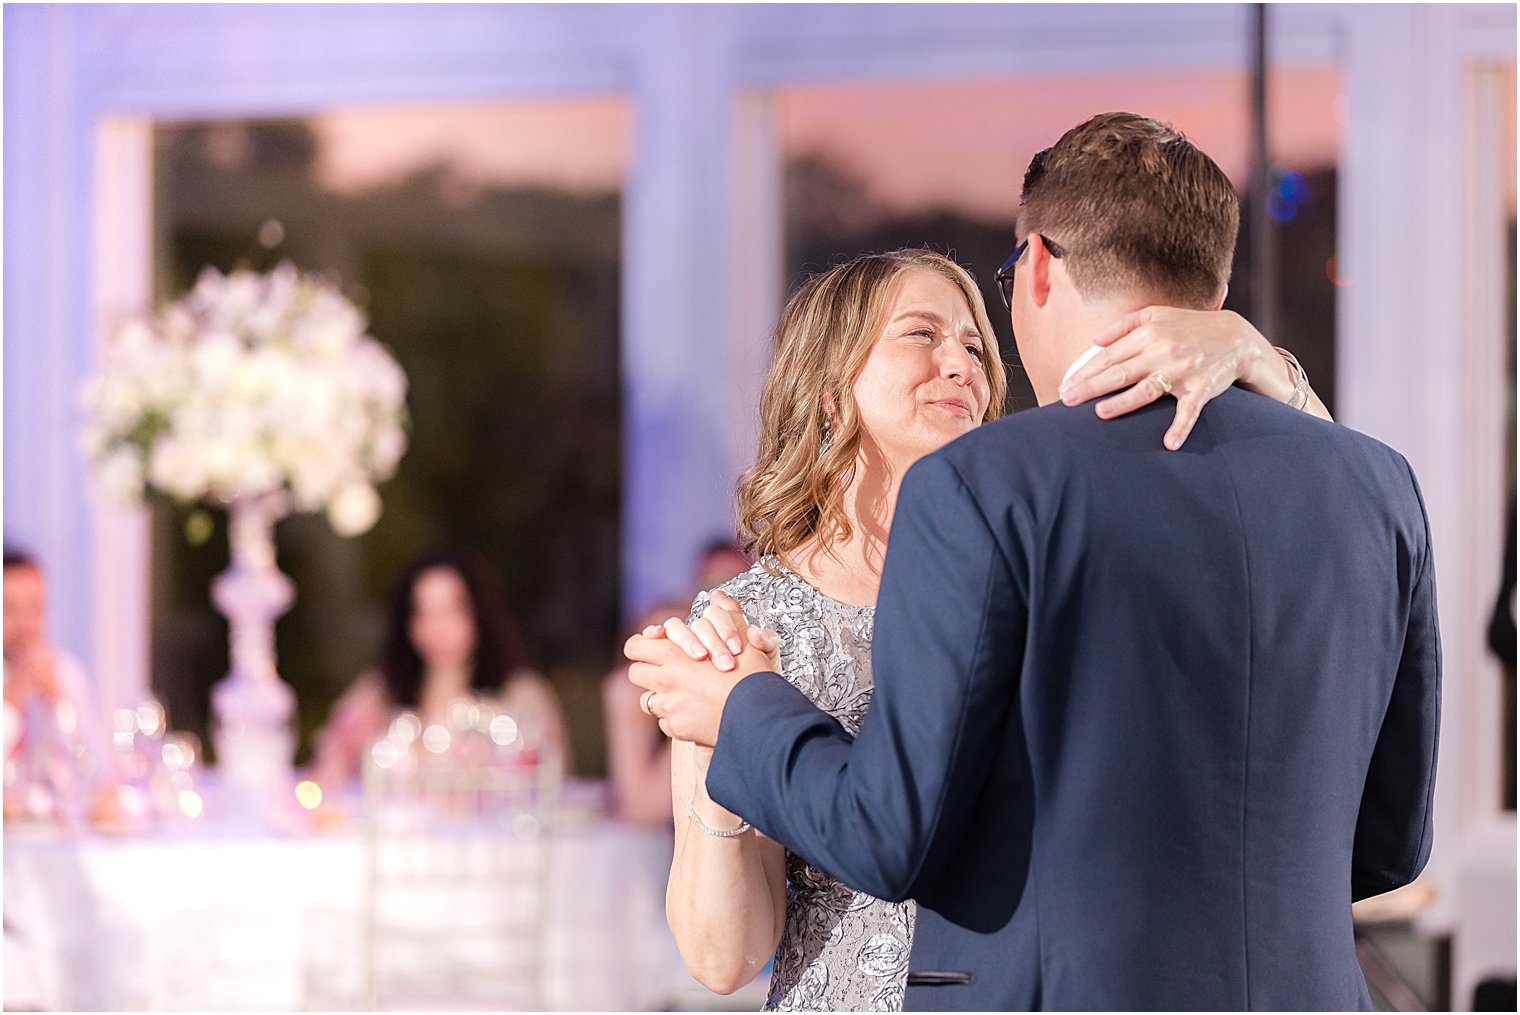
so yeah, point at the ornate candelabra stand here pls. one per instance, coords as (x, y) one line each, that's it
(252, 705)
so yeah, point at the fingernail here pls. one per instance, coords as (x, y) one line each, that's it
(736, 645)
(724, 662)
(697, 652)
(1173, 443)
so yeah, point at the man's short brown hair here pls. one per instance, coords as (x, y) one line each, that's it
(1136, 207)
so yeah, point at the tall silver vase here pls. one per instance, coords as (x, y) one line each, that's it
(253, 707)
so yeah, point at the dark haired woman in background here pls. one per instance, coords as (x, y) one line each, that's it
(448, 636)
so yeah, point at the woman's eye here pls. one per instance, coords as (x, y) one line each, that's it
(974, 350)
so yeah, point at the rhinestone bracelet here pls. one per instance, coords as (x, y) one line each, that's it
(1300, 396)
(743, 825)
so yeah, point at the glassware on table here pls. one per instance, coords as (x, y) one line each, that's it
(157, 771)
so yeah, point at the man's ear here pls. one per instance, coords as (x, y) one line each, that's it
(1039, 270)
(1219, 303)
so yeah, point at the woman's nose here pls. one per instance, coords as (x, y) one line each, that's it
(956, 362)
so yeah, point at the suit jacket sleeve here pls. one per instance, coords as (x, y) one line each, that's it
(949, 634)
(1393, 827)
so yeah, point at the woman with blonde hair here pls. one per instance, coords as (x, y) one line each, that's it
(877, 362)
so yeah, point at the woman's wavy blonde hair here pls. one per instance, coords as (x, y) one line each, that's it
(796, 487)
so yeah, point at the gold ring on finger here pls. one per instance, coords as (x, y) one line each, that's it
(1162, 381)
(646, 704)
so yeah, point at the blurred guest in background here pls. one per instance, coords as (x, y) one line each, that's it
(54, 737)
(449, 636)
(721, 560)
(1501, 641)
(638, 754)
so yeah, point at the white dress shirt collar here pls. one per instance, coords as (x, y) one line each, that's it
(1081, 361)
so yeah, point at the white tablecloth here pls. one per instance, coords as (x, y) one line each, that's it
(193, 920)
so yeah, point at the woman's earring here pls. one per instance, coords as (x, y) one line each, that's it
(828, 437)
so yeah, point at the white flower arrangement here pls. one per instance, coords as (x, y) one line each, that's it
(251, 384)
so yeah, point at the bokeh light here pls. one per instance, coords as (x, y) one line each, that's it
(503, 730)
(436, 738)
(308, 794)
(405, 728)
(190, 803)
(385, 754)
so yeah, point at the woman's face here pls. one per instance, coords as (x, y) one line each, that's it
(924, 382)
(25, 610)
(442, 626)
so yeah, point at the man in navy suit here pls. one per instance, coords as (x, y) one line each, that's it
(1145, 722)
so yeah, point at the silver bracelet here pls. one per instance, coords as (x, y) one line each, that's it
(743, 825)
(1300, 396)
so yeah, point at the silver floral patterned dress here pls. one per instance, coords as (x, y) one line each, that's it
(841, 950)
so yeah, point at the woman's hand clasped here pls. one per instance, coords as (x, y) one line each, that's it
(719, 634)
(1193, 355)
(688, 698)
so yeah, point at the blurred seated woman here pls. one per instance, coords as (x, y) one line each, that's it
(721, 560)
(448, 637)
(638, 753)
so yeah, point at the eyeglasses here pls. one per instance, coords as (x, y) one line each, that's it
(1004, 276)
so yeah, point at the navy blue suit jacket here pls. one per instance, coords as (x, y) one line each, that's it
(1145, 722)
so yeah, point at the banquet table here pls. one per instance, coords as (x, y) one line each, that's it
(228, 919)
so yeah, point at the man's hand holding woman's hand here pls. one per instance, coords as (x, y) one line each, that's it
(688, 672)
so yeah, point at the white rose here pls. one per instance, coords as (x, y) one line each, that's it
(238, 466)
(320, 394)
(243, 388)
(222, 460)
(257, 474)
(329, 330)
(134, 339)
(282, 287)
(166, 378)
(118, 404)
(316, 475)
(196, 419)
(216, 360)
(386, 454)
(354, 510)
(286, 451)
(94, 438)
(239, 296)
(268, 381)
(120, 475)
(377, 374)
(210, 287)
(178, 324)
(175, 467)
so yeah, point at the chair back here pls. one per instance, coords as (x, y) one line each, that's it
(458, 817)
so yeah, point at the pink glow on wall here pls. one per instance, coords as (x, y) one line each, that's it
(1507, 124)
(959, 144)
(965, 144)
(570, 144)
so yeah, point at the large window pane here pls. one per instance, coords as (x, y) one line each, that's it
(483, 243)
(880, 165)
